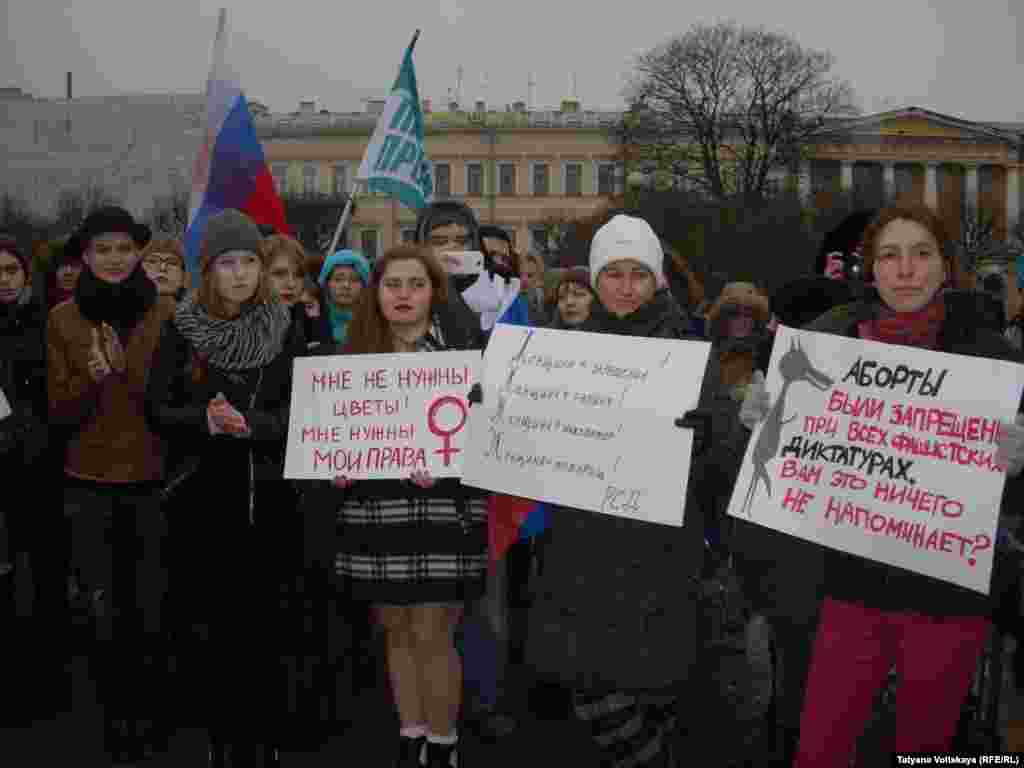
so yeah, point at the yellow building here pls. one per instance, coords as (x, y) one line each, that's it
(515, 169)
(519, 169)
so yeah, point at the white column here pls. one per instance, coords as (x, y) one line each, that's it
(803, 181)
(889, 180)
(931, 185)
(972, 186)
(1012, 196)
(846, 175)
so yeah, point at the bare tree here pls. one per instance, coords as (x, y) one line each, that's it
(169, 213)
(73, 205)
(723, 105)
(977, 234)
(313, 219)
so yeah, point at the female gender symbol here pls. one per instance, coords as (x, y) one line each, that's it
(447, 450)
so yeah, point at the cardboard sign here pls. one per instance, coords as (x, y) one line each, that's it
(462, 262)
(587, 420)
(883, 451)
(379, 416)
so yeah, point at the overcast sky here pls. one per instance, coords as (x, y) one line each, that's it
(954, 56)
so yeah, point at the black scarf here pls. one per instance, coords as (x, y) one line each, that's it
(122, 305)
(661, 317)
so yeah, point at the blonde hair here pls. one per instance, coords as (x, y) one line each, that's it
(283, 245)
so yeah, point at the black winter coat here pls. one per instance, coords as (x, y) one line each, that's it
(23, 381)
(616, 601)
(237, 480)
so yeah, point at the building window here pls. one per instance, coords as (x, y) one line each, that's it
(309, 179)
(340, 180)
(280, 173)
(368, 243)
(507, 182)
(408, 234)
(474, 180)
(538, 239)
(442, 180)
(541, 179)
(606, 179)
(573, 179)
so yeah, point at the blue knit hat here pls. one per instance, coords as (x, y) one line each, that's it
(346, 258)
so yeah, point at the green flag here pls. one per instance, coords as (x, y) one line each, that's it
(396, 162)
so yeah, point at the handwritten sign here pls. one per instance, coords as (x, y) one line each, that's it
(380, 416)
(587, 420)
(883, 451)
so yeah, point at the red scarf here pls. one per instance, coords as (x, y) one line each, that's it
(912, 329)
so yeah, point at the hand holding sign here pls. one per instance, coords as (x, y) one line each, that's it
(1010, 445)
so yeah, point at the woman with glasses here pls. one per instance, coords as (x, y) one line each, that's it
(163, 260)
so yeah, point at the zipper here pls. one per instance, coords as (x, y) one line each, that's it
(252, 469)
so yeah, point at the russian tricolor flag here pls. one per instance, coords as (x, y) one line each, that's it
(511, 518)
(230, 169)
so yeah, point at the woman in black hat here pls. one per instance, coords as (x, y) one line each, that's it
(100, 347)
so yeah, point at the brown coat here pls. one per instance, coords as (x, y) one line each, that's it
(111, 441)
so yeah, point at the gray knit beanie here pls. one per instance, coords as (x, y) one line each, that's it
(229, 230)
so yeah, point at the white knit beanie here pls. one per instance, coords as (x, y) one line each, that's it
(626, 237)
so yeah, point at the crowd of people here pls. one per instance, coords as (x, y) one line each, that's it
(148, 419)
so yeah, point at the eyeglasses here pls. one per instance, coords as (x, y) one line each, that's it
(168, 262)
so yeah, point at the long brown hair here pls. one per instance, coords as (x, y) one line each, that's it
(283, 245)
(369, 332)
(927, 218)
(207, 297)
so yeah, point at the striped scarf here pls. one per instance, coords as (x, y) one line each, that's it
(249, 341)
(433, 340)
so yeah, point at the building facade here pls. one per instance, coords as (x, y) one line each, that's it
(521, 171)
(525, 171)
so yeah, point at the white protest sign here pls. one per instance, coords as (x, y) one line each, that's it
(587, 420)
(883, 451)
(462, 262)
(5, 407)
(379, 416)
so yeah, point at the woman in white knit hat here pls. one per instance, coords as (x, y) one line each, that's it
(610, 584)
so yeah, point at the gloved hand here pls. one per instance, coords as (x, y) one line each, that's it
(700, 422)
(476, 395)
(1010, 444)
(756, 404)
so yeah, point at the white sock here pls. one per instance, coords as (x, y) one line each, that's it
(414, 731)
(451, 738)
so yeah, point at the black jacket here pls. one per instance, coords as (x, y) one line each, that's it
(226, 468)
(616, 602)
(23, 381)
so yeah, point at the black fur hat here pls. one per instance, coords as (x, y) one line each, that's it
(112, 218)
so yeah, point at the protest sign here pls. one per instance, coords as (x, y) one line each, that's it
(883, 451)
(587, 420)
(379, 416)
(5, 408)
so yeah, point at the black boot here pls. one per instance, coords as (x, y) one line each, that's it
(443, 755)
(409, 751)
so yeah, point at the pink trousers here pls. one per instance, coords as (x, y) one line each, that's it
(855, 647)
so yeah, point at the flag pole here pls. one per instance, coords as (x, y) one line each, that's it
(347, 210)
(345, 213)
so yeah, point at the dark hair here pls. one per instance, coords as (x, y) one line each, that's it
(444, 212)
(369, 332)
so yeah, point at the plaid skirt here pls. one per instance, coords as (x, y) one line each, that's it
(412, 550)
